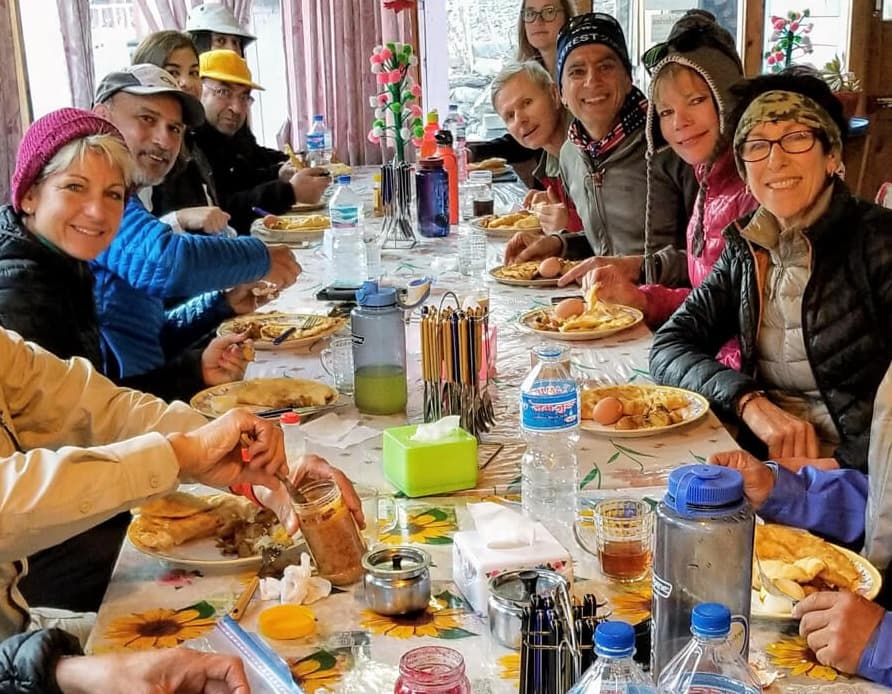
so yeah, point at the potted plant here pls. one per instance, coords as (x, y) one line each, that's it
(844, 84)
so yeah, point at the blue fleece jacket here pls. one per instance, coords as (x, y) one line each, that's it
(804, 500)
(148, 263)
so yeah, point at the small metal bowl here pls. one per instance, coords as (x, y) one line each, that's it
(509, 593)
(397, 580)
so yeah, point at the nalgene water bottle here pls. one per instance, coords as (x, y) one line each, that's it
(703, 552)
(379, 351)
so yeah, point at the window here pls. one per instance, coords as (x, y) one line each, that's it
(830, 30)
(476, 38)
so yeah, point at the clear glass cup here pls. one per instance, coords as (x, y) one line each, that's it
(476, 195)
(337, 360)
(379, 511)
(625, 536)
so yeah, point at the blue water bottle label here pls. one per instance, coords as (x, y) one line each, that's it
(550, 406)
(344, 217)
(712, 683)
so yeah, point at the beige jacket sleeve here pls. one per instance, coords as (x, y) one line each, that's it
(76, 448)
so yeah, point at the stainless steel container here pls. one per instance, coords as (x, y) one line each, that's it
(397, 580)
(509, 593)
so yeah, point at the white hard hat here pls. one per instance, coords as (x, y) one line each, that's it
(212, 16)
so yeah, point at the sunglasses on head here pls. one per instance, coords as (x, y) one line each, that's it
(688, 40)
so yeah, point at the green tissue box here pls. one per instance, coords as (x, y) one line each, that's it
(422, 468)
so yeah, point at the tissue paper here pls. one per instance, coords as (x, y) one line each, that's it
(337, 432)
(500, 527)
(297, 585)
(436, 431)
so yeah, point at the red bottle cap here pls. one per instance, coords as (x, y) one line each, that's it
(290, 418)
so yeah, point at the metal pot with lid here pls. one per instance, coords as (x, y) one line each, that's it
(397, 580)
(510, 592)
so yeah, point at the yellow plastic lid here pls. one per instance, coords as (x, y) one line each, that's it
(286, 621)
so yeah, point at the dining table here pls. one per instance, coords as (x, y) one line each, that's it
(152, 603)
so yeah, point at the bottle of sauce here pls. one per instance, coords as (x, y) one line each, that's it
(379, 351)
(703, 553)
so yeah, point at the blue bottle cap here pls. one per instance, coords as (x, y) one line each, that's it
(710, 619)
(370, 295)
(615, 639)
(704, 490)
(318, 117)
(343, 180)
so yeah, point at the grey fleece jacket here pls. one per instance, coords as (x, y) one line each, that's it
(612, 203)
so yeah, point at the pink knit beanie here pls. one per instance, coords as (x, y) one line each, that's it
(45, 137)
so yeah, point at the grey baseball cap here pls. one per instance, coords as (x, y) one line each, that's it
(146, 79)
(217, 18)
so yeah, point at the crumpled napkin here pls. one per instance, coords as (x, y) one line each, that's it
(336, 431)
(500, 527)
(297, 585)
(436, 431)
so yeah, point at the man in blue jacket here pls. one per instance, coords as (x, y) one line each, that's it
(845, 630)
(148, 262)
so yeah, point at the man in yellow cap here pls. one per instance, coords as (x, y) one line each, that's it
(246, 175)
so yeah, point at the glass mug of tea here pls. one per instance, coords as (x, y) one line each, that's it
(624, 531)
(337, 360)
(379, 512)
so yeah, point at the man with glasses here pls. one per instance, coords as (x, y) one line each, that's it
(246, 175)
(628, 207)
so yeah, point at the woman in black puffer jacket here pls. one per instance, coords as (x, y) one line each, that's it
(805, 283)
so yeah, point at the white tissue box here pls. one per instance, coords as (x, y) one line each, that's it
(473, 563)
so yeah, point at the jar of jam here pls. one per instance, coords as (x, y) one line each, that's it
(432, 670)
(331, 533)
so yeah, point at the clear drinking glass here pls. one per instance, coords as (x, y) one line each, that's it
(625, 531)
(337, 360)
(379, 511)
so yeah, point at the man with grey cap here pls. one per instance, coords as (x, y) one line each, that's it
(603, 162)
(148, 262)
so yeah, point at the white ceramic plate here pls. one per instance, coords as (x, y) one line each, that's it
(498, 232)
(697, 408)
(198, 554)
(263, 232)
(871, 581)
(217, 400)
(577, 335)
(295, 319)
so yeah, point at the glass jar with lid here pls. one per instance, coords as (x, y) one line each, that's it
(331, 533)
(432, 670)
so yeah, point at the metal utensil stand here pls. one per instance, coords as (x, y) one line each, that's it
(396, 194)
(454, 345)
(556, 641)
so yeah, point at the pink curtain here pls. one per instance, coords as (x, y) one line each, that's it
(13, 101)
(173, 13)
(327, 49)
(77, 41)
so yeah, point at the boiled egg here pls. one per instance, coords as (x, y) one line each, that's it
(550, 267)
(608, 411)
(568, 308)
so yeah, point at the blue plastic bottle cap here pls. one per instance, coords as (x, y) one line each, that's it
(344, 180)
(318, 117)
(548, 351)
(369, 294)
(615, 639)
(710, 619)
(704, 490)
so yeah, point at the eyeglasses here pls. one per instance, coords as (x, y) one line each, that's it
(226, 94)
(796, 142)
(546, 13)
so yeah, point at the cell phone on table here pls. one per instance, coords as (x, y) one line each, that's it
(555, 300)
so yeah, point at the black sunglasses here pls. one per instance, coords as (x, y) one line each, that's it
(686, 41)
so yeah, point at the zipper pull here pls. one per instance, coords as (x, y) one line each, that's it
(598, 177)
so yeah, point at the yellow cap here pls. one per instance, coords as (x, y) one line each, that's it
(226, 66)
(286, 621)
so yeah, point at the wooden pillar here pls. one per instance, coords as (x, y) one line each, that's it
(15, 104)
(754, 41)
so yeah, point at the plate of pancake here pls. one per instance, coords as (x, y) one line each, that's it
(264, 328)
(259, 394)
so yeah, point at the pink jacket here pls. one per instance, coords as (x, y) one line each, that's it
(726, 200)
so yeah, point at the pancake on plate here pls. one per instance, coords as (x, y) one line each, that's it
(796, 556)
(523, 220)
(276, 393)
(180, 517)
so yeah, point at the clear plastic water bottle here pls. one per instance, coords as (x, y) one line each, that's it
(347, 255)
(455, 123)
(710, 662)
(703, 553)
(295, 443)
(614, 672)
(549, 419)
(471, 250)
(319, 143)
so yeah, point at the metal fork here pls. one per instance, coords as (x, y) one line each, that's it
(769, 584)
(311, 321)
